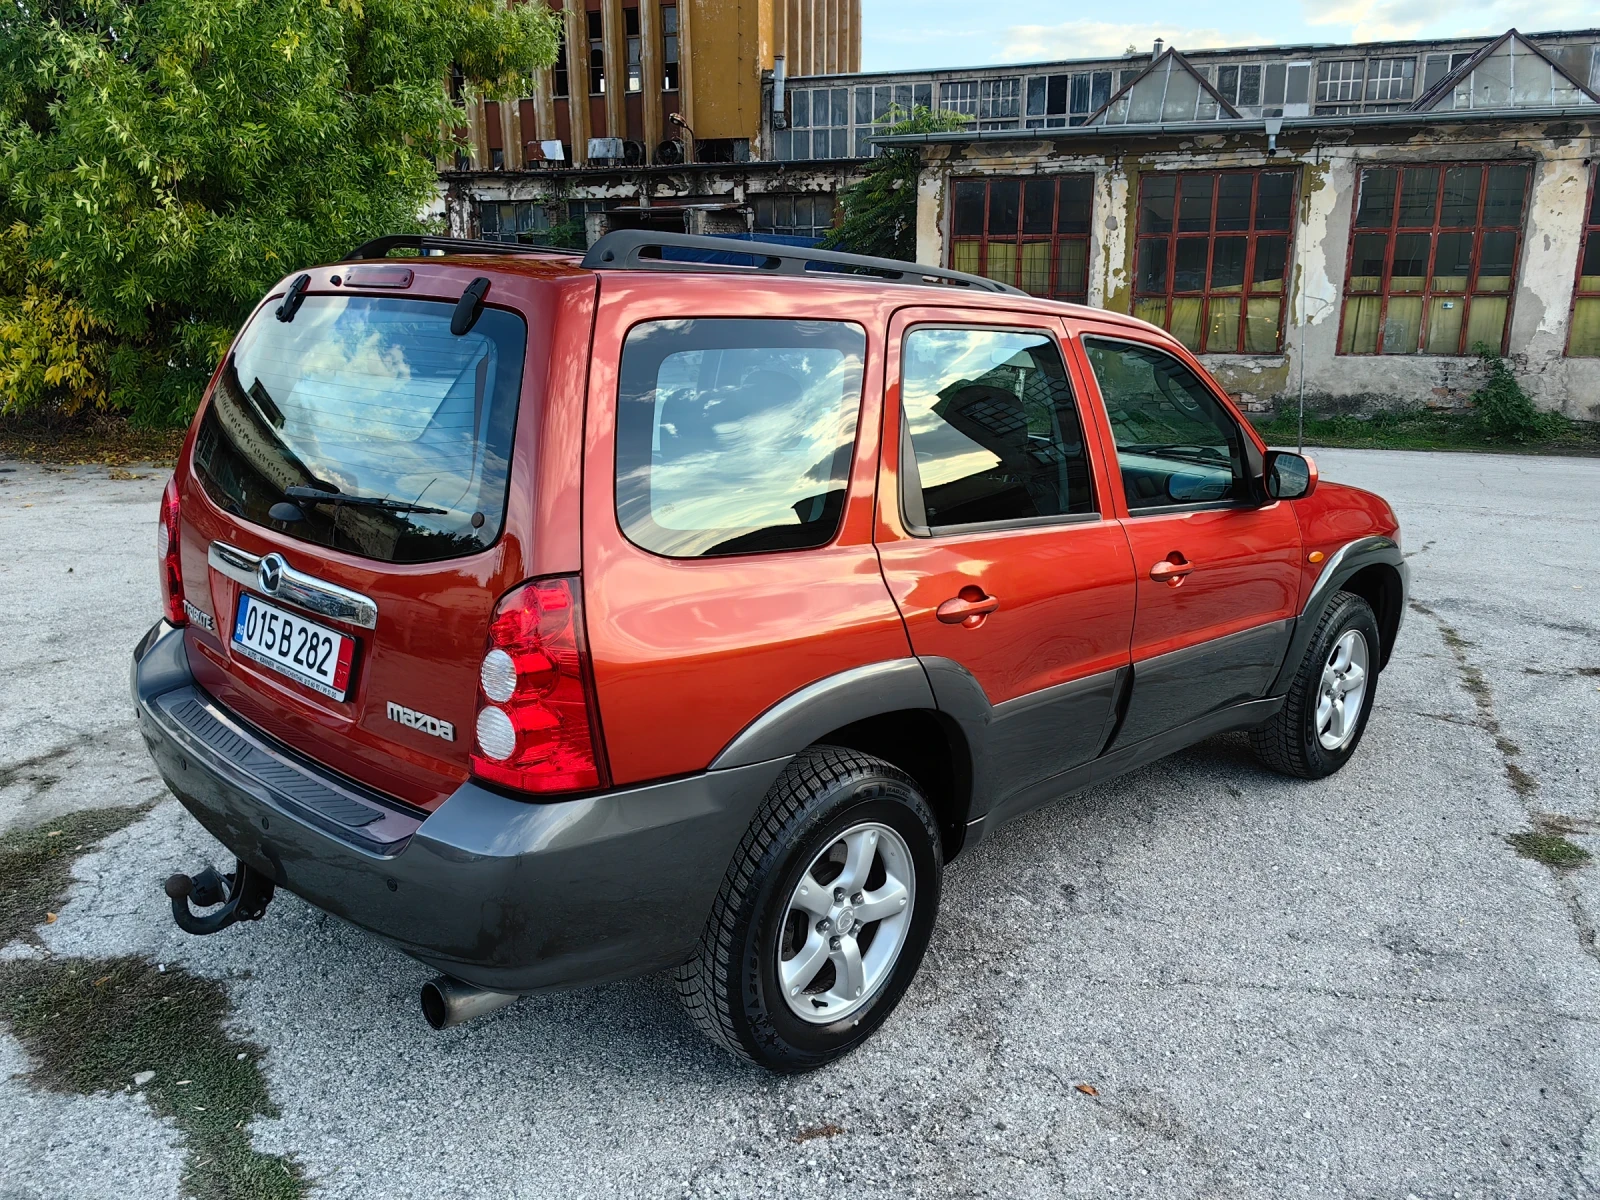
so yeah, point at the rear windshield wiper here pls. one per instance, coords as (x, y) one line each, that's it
(318, 496)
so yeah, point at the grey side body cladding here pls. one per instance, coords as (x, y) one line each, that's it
(1025, 752)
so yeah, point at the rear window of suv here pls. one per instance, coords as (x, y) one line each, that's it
(735, 436)
(369, 397)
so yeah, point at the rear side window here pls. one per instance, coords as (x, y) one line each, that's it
(1176, 444)
(735, 436)
(372, 398)
(992, 428)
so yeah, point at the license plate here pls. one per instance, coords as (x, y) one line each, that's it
(306, 652)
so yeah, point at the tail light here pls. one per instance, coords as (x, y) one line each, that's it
(537, 729)
(167, 552)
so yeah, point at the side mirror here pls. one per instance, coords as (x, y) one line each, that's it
(1290, 476)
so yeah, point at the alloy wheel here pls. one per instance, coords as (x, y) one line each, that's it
(1342, 691)
(846, 923)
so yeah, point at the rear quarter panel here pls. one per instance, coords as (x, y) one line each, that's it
(687, 652)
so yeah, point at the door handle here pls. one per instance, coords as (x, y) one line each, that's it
(1171, 569)
(969, 608)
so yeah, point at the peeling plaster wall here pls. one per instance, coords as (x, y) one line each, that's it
(1328, 171)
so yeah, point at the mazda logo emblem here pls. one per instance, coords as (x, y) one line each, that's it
(271, 573)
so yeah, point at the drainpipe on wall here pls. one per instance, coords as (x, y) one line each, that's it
(780, 119)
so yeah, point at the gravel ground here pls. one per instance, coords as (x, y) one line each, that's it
(1345, 988)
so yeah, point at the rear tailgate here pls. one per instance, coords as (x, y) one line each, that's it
(369, 395)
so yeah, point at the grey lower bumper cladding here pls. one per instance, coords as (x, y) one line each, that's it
(499, 892)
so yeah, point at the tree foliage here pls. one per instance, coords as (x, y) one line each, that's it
(163, 162)
(880, 212)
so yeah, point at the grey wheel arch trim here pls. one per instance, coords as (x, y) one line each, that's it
(802, 717)
(1343, 564)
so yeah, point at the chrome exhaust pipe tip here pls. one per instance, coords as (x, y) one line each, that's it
(448, 1002)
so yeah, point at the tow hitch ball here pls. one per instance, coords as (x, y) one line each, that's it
(243, 895)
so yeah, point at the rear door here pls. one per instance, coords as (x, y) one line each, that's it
(1218, 571)
(995, 538)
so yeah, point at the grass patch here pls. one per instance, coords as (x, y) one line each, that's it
(1421, 429)
(91, 1025)
(1551, 849)
(97, 439)
(36, 865)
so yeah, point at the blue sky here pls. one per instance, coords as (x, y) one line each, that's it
(907, 34)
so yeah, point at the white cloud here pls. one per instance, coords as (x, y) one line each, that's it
(1108, 39)
(1385, 20)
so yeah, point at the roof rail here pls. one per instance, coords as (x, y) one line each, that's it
(380, 247)
(624, 249)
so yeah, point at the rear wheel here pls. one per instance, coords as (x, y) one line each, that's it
(1325, 713)
(823, 917)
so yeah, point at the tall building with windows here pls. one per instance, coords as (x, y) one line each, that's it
(641, 82)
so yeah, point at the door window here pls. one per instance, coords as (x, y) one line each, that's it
(1176, 444)
(735, 436)
(991, 430)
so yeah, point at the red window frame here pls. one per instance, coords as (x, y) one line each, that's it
(970, 252)
(1588, 297)
(1428, 293)
(1211, 234)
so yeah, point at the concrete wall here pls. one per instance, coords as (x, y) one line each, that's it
(1561, 155)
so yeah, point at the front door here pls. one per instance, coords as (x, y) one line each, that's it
(1218, 571)
(995, 539)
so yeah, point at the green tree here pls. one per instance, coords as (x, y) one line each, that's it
(162, 162)
(880, 211)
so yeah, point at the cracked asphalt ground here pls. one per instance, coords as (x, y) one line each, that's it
(1345, 988)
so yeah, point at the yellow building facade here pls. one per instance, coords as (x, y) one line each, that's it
(661, 82)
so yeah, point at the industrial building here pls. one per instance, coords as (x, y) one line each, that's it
(1350, 222)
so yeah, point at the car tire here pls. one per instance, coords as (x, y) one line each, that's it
(1325, 714)
(831, 807)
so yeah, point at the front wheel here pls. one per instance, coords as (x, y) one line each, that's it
(1325, 713)
(823, 917)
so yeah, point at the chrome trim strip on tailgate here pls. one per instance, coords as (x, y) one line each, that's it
(273, 577)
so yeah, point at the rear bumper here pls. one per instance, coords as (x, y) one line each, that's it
(502, 893)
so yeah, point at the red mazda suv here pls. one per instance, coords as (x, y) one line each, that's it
(691, 604)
